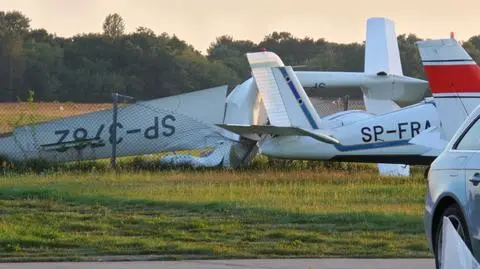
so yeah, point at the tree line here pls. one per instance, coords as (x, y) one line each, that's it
(146, 65)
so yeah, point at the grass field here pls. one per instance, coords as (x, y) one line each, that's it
(211, 214)
(21, 113)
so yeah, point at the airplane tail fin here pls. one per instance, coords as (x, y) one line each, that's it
(287, 106)
(382, 59)
(382, 55)
(454, 80)
(284, 98)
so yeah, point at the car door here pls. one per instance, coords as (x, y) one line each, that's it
(472, 175)
(469, 144)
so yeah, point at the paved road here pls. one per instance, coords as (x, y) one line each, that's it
(239, 264)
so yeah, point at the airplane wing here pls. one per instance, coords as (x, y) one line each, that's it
(174, 123)
(431, 138)
(382, 82)
(278, 130)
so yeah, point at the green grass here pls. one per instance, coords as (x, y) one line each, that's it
(211, 214)
(17, 114)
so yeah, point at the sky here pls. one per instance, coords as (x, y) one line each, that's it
(200, 22)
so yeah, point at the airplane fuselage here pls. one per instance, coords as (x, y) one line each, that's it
(364, 138)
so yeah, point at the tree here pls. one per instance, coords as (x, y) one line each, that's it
(475, 40)
(472, 50)
(113, 26)
(231, 53)
(141, 30)
(409, 55)
(44, 64)
(13, 27)
(13, 24)
(40, 36)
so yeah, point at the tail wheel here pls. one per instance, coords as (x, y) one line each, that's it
(455, 215)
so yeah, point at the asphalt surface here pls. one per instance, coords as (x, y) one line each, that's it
(238, 264)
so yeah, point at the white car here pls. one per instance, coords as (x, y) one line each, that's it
(454, 189)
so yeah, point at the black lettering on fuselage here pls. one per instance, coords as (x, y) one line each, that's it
(98, 135)
(377, 130)
(115, 127)
(63, 134)
(165, 125)
(366, 135)
(152, 131)
(428, 125)
(401, 129)
(80, 134)
(415, 128)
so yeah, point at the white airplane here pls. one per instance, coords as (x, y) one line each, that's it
(175, 123)
(297, 132)
(383, 84)
(415, 134)
(409, 135)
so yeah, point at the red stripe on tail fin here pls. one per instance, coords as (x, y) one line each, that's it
(453, 78)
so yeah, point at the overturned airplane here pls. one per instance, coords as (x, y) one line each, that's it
(182, 122)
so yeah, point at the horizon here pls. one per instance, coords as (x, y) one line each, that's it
(200, 29)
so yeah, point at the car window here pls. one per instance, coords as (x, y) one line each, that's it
(471, 139)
